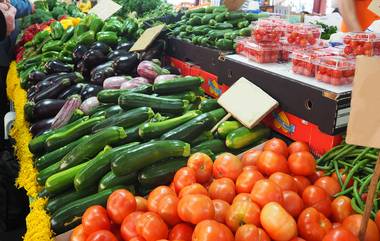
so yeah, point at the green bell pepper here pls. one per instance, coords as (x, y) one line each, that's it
(39, 37)
(68, 34)
(113, 26)
(53, 45)
(109, 38)
(80, 29)
(96, 25)
(70, 45)
(57, 30)
(87, 38)
(50, 55)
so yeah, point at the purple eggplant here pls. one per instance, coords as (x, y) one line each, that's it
(125, 46)
(116, 54)
(125, 64)
(104, 48)
(55, 66)
(78, 53)
(93, 58)
(102, 72)
(53, 90)
(66, 112)
(90, 90)
(36, 76)
(42, 109)
(73, 90)
(41, 126)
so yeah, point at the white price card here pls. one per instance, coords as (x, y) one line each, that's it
(105, 9)
(374, 6)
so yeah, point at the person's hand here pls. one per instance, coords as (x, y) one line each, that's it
(9, 13)
(33, 7)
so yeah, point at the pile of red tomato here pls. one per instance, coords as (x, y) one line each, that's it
(361, 44)
(270, 194)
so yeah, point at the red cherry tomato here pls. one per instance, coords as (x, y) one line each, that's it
(249, 232)
(316, 197)
(246, 180)
(182, 231)
(313, 225)
(184, 177)
(202, 166)
(271, 162)
(250, 157)
(227, 165)
(222, 188)
(151, 227)
(119, 204)
(78, 234)
(276, 145)
(266, 191)
(102, 235)
(302, 163)
(95, 218)
(221, 207)
(128, 226)
(293, 203)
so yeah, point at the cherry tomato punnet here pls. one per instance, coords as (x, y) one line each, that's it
(278, 223)
(119, 204)
(222, 188)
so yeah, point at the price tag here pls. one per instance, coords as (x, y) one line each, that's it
(374, 7)
(147, 38)
(105, 9)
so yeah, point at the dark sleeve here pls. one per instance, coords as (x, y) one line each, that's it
(23, 7)
(3, 26)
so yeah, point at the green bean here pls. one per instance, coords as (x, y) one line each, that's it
(357, 196)
(367, 149)
(366, 182)
(328, 155)
(344, 152)
(372, 156)
(355, 206)
(352, 171)
(338, 173)
(348, 190)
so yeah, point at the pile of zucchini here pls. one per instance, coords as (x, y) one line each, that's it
(213, 27)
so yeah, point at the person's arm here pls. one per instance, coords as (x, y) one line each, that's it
(348, 12)
(3, 26)
(24, 7)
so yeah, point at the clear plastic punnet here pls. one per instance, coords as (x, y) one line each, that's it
(263, 53)
(361, 43)
(335, 70)
(304, 35)
(240, 46)
(267, 30)
(304, 61)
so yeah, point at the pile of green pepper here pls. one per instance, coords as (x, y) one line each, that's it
(354, 167)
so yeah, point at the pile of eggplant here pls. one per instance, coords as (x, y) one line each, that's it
(62, 93)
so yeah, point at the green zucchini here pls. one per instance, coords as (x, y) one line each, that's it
(97, 167)
(153, 130)
(217, 34)
(194, 21)
(220, 18)
(216, 146)
(148, 153)
(234, 15)
(208, 105)
(56, 155)
(245, 32)
(134, 100)
(243, 136)
(161, 173)
(126, 119)
(177, 85)
(208, 153)
(45, 173)
(67, 197)
(206, 18)
(112, 95)
(60, 139)
(113, 110)
(187, 95)
(193, 128)
(220, 9)
(222, 26)
(69, 216)
(198, 10)
(37, 144)
(90, 147)
(226, 127)
(204, 136)
(101, 107)
(110, 180)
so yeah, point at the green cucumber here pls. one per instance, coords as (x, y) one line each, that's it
(148, 153)
(208, 105)
(204, 136)
(37, 144)
(234, 15)
(206, 18)
(113, 110)
(97, 167)
(177, 85)
(193, 128)
(112, 95)
(60, 139)
(243, 136)
(134, 100)
(222, 26)
(126, 119)
(187, 95)
(56, 155)
(110, 180)
(90, 147)
(216, 146)
(161, 173)
(69, 216)
(67, 197)
(64, 179)
(45, 173)
(226, 127)
(153, 130)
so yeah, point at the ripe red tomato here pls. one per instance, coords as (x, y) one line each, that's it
(278, 223)
(344, 177)
(102, 235)
(316, 197)
(240, 213)
(156, 195)
(266, 191)
(352, 223)
(301, 182)
(95, 218)
(242, 197)
(182, 231)
(270, 162)
(222, 188)
(211, 230)
(341, 208)
(293, 203)
(151, 227)
(340, 234)
(329, 184)
(128, 226)
(347, 40)
(302, 163)
(250, 168)
(78, 234)
(313, 225)
(316, 175)
(246, 180)
(284, 181)
(377, 219)
(221, 207)
(195, 208)
(167, 209)
(249, 232)
(195, 188)
(141, 204)
(119, 204)
(184, 177)
(227, 165)
(250, 157)
(202, 166)
(276, 145)
(298, 146)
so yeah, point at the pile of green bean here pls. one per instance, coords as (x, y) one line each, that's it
(352, 164)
